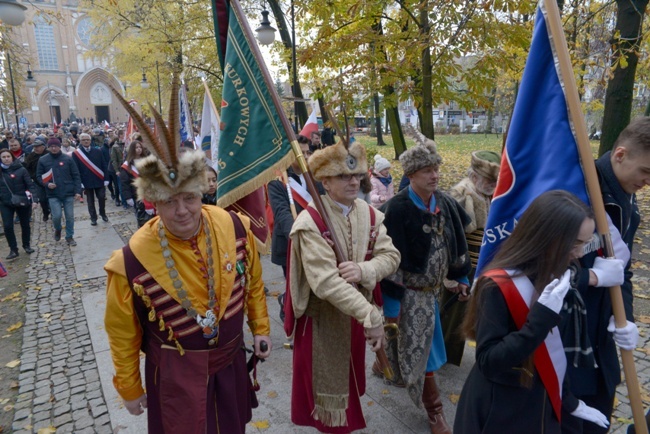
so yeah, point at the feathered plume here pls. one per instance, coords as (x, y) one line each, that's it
(149, 139)
(420, 139)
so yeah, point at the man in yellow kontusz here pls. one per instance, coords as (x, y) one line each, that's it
(179, 292)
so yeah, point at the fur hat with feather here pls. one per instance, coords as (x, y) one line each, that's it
(166, 172)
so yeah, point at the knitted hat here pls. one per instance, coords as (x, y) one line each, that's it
(53, 142)
(39, 142)
(381, 163)
(166, 172)
(486, 164)
(338, 160)
(418, 157)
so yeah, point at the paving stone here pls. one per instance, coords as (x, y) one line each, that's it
(42, 415)
(98, 410)
(43, 407)
(84, 422)
(78, 402)
(62, 419)
(22, 424)
(61, 408)
(22, 413)
(64, 429)
(42, 424)
(77, 390)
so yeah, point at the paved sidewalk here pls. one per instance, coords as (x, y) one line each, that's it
(66, 371)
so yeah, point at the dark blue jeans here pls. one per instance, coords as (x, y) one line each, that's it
(67, 206)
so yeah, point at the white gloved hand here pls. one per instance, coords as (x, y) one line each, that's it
(105, 183)
(608, 271)
(583, 411)
(553, 294)
(149, 211)
(626, 337)
(130, 202)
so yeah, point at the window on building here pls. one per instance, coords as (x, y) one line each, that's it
(44, 33)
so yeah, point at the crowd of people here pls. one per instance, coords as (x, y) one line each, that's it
(51, 168)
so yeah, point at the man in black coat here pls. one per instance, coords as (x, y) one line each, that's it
(59, 175)
(622, 172)
(92, 164)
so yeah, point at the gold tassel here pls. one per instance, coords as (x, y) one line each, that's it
(161, 324)
(179, 348)
(146, 300)
(152, 315)
(171, 334)
(139, 289)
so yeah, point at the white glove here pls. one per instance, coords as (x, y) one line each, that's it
(583, 411)
(626, 337)
(105, 183)
(130, 202)
(82, 186)
(553, 294)
(149, 211)
(608, 271)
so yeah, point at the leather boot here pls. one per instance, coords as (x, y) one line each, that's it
(433, 405)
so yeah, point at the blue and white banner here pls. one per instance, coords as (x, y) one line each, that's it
(210, 128)
(541, 151)
(185, 116)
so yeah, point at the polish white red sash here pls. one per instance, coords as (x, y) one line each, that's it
(299, 193)
(549, 357)
(132, 170)
(89, 164)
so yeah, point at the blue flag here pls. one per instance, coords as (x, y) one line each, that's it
(541, 151)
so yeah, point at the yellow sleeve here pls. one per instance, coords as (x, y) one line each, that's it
(123, 329)
(258, 317)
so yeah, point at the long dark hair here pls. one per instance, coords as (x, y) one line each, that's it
(539, 247)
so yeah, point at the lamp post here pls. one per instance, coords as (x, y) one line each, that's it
(266, 36)
(158, 79)
(12, 13)
(145, 85)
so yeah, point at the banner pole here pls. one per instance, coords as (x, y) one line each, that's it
(291, 135)
(596, 198)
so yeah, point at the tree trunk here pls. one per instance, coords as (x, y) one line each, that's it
(301, 107)
(620, 89)
(392, 112)
(380, 136)
(426, 110)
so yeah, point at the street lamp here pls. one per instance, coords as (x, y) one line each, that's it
(265, 32)
(12, 13)
(30, 82)
(144, 83)
(266, 36)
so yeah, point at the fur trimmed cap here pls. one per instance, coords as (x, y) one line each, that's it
(155, 184)
(418, 157)
(167, 171)
(486, 164)
(337, 160)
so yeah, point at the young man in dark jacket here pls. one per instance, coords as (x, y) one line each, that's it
(60, 177)
(622, 172)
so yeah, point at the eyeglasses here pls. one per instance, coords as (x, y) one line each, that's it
(347, 177)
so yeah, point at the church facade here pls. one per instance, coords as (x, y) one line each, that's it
(68, 85)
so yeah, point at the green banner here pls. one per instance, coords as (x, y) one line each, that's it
(253, 144)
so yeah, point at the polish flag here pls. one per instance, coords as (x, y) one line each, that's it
(47, 176)
(310, 126)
